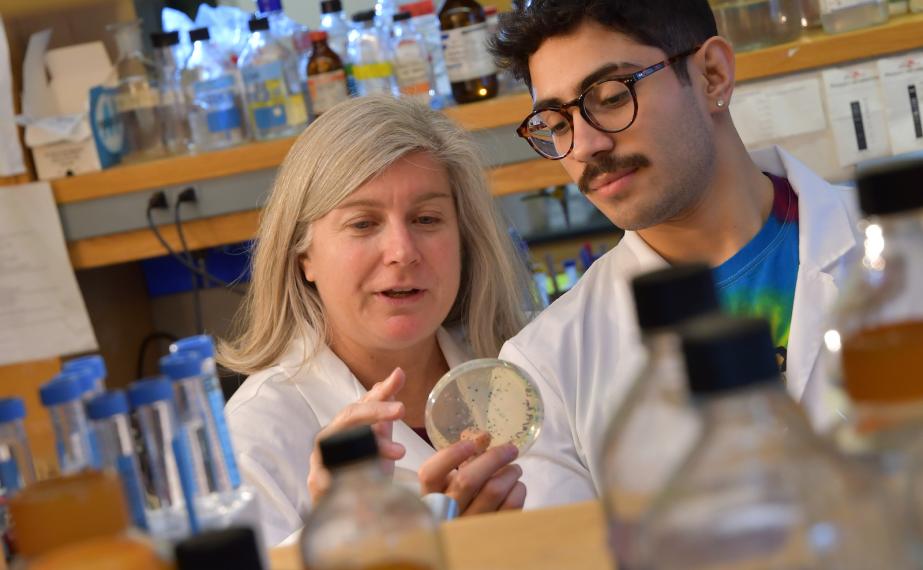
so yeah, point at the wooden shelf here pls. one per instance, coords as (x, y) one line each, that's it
(816, 50)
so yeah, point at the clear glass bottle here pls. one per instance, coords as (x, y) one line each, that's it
(423, 17)
(172, 101)
(845, 15)
(109, 416)
(759, 489)
(137, 97)
(365, 521)
(212, 87)
(16, 469)
(370, 56)
(811, 13)
(878, 332)
(287, 30)
(411, 61)
(468, 63)
(326, 76)
(275, 103)
(384, 15)
(656, 407)
(62, 397)
(754, 24)
(333, 21)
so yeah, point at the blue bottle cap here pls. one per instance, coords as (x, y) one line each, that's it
(12, 409)
(95, 362)
(107, 405)
(87, 377)
(181, 365)
(63, 388)
(203, 344)
(149, 390)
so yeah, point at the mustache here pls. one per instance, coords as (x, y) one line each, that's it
(608, 163)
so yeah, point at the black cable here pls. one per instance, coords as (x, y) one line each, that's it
(142, 352)
(182, 260)
(196, 292)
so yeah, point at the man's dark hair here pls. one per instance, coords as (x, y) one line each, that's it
(674, 26)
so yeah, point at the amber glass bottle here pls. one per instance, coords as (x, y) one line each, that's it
(464, 42)
(326, 75)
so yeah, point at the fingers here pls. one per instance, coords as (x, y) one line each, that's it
(493, 495)
(467, 482)
(387, 389)
(516, 498)
(434, 473)
(364, 413)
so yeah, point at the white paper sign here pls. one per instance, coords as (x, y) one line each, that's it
(856, 110)
(11, 162)
(777, 109)
(902, 83)
(42, 313)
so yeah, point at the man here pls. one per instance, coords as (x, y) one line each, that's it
(632, 97)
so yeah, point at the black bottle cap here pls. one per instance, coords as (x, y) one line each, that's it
(892, 185)
(259, 24)
(199, 35)
(331, 6)
(728, 353)
(164, 39)
(364, 16)
(228, 549)
(401, 16)
(667, 297)
(347, 447)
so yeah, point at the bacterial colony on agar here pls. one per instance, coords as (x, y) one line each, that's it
(489, 401)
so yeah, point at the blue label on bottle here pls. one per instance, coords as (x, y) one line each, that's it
(131, 484)
(223, 120)
(216, 401)
(186, 476)
(269, 117)
(266, 94)
(222, 83)
(9, 476)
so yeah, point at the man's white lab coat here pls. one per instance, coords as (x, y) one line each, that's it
(584, 350)
(274, 418)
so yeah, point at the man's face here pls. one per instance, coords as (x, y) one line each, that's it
(657, 169)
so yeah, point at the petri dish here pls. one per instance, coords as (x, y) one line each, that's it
(485, 395)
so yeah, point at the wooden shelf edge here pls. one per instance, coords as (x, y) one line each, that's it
(526, 176)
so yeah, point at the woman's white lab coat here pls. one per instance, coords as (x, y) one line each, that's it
(276, 414)
(584, 350)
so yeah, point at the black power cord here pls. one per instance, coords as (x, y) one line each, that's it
(158, 201)
(188, 195)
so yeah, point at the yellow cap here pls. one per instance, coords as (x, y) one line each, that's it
(52, 513)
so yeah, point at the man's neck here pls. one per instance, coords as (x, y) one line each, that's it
(422, 364)
(730, 213)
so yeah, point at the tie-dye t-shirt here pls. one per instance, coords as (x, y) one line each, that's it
(759, 280)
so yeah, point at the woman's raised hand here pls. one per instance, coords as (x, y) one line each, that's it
(378, 409)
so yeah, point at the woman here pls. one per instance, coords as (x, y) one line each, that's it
(380, 264)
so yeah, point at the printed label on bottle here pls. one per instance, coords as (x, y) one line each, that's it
(466, 55)
(327, 89)
(377, 70)
(216, 403)
(144, 98)
(216, 98)
(412, 71)
(268, 100)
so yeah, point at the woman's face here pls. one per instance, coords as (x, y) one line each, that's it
(387, 260)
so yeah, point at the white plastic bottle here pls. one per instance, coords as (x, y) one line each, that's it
(425, 21)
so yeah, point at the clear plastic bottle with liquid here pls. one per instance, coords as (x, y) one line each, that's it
(411, 61)
(16, 468)
(878, 334)
(287, 30)
(425, 21)
(172, 100)
(137, 95)
(759, 489)
(840, 16)
(333, 21)
(366, 521)
(62, 397)
(656, 407)
(275, 102)
(212, 87)
(371, 56)
(754, 24)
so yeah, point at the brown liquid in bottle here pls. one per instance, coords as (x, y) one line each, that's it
(456, 15)
(885, 364)
(327, 83)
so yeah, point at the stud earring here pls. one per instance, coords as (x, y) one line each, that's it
(720, 103)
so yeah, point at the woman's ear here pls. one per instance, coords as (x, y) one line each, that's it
(306, 267)
(715, 61)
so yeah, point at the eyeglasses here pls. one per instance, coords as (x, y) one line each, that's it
(609, 105)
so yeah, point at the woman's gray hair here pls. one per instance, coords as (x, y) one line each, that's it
(344, 148)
